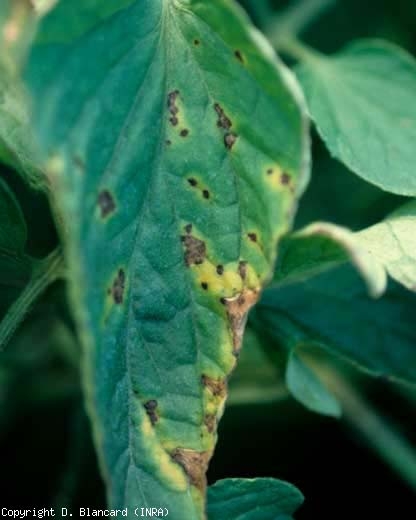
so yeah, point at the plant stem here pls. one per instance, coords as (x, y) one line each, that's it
(379, 435)
(297, 17)
(298, 50)
(45, 273)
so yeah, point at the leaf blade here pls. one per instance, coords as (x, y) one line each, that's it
(162, 315)
(256, 499)
(355, 103)
(334, 312)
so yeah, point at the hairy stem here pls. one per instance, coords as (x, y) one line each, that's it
(45, 273)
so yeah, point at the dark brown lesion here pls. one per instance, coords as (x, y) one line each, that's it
(217, 387)
(195, 249)
(195, 465)
(237, 312)
(173, 107)
(151, 410)
(238, 54)
(210, 422)
(242, 269)
(223, 121)
(106, 203)
(230, 140)
(117, 290)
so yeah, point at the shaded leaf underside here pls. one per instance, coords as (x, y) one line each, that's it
(386, 247)
(176, 153)
(333, 311)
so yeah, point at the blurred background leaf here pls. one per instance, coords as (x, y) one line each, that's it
(367, 120)
(333, 310)
(256, 499)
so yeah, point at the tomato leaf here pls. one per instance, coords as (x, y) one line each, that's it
(362, 102)
(173, 190)
(17, 23)
(307, 388)
(333, 311)
(386, 247)
(393, 243)
(322, 246)
(256, 499)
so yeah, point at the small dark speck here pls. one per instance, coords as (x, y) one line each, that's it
(252, 237)
(220, 269)
(106, 203)
(168, 142)
(150, 405)
(242, 269)
(79, 162)
(184, 132)
(204, 285)
(193, 182)
(196, 42)
(239, 56)
(174, 120)
(206, 194)
(270, 171)
(223, 301)
(285, 178)
(229, 140)
(119, 286)
(188, 228)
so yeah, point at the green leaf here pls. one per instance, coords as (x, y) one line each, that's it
(256, 499)
(333, 311)
(322, 246)
(307, 388)
(362, 101)
(393, 243)
(17, 24)
(16, 141)
(173, 191)
(387, 247)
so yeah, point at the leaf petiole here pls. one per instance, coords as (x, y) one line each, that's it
(44, 274)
